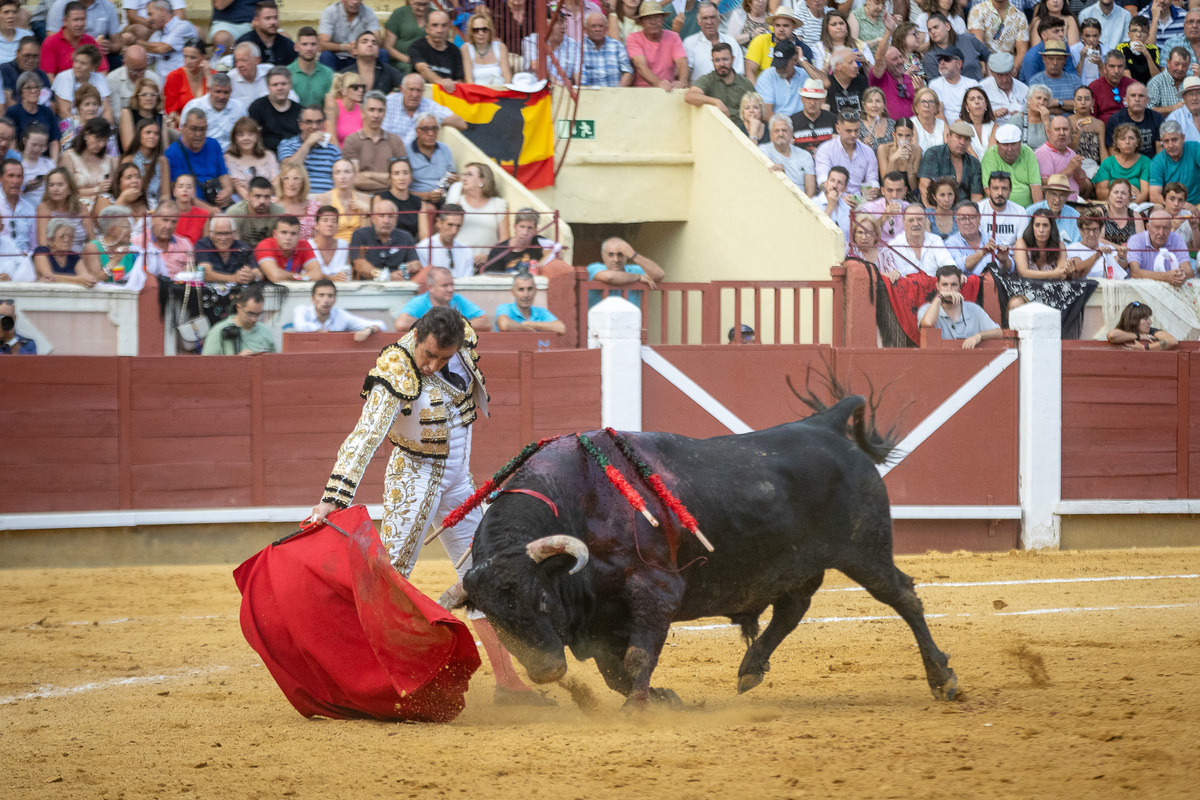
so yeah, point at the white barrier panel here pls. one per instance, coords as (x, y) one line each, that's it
(69, 320)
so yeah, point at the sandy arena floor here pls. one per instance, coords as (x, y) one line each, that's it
(123, 683)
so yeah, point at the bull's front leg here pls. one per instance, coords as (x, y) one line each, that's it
(653, 604)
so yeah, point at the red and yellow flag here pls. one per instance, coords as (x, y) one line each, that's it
(514, 128)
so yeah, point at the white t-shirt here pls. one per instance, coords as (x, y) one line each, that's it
(1105, 266)
(1003, 226)
(65, 84)
(951, 95)
(1091, 71)
(933, 255)
(340, 261)
(140, 6)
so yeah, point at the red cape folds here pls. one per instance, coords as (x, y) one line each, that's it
(345, 636)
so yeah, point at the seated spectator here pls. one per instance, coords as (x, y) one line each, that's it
(128, 192)
(1040, 256)
(1088, 52)
(407, 24)
(433, 56)
(812, 125)
(193, 218)
(408, 205)
(87, 108)
(313, 149)
(954, 159)
(927, 118)
(759, 54)
(381, 251)
(223, 258)
(292, 192)
(61, 201)
(1006, 94)
(339, 27)
(1009, 155)
(565, 66)
(311, 80)
(276, 112)
(201, 156)
(779, 87)
(108, 257)
(1135, 332)
(485, 219)
(1056, 190)
(89, 162)
(146, 153)
(916, 249)
(28, 55)
(944, 35)
(222, 110)
(1061, 83)
(444, 249)
(255, 216)
(285, 256)
(1140, 53)
(972, 248)
(1166, 19)
(847, 82)
(1188, 115)
(1146, 121)
(143, 105)
(746, 335)
(246, 158)
(874, 127)
(1163, 89)
(82, 72)
(371, 149)
(940, 199)
(249, 75)
(241, 333)
(1056, 157)
(605, 61)
(1109, 89)
(230, 23)
(524, 251)
(833, 204)
(8, 139)
(408, 105)
(1121, 223)
(522, 314)
(657, 55)
(868, 243)
(35, 164)
(752, 118)
(1002, 219)
(58, 49)
(277, 50)
(889, 207)
(485, 58)
(1037, 114)
(373, 74)
(699, 46)
(10, 34)
(188, 82)
(164, 252)
(1178, 162)
(1158, 253)
(343, 106)
(324, 315)
(28, 111)
(723, 88)
(1090, 257)
(622, 267)
(10, 341)
(1176, 204)
(955, 317)
(432, 162)
(1004, 29)
(951, 85)
(441, 294)
(332, 253)
(352, 207)
(785, 157)
(58, 260)
(1049, 29)
(170, 34)
(135, 12)
(976, 111)
(848, 152)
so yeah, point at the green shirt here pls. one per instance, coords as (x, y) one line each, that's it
(311, 90)
(730, 95)
(1025, 173)
(1138, 174)
(257, 340)
(253, 229)
(404, 27)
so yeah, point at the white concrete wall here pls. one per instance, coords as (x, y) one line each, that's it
(70, 320)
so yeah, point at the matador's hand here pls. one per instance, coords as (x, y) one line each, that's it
(320, 512)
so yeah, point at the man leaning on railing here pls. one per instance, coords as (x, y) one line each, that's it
(622, 267)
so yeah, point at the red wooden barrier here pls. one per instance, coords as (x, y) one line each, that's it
(489, 341)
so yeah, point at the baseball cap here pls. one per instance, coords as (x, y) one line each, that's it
(1008, 134)
(781, 56)
(949, 53)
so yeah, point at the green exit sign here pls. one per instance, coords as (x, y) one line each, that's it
(579, 129)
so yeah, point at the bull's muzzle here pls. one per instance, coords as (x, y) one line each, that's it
(541, 549)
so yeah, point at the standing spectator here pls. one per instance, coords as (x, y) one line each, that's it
(954, 159)
(1001, 219)
(249, 74)
(246, 158)
(444, 249)
(1005, 93)
(313, 149)
(605, 61)
(332, 253)
(10, 34)
(657, 55)
(432, 162)
(170, 33)
(622, 266)
(1010, 156)
(58, 50)
(1178, 162)
(198, 155)
(1056, 189)
(343, 106)
(404, 27)
(1187, 116)
(285, 256)
(896, 78)
(699, 45)
(485, 58)
(409, 207)
(277, 115)
(812, 125)
(485, 213)
(1062, 84)
(523, 315)
(277, 50)
(188, 82)
(255, 216)
(222, 110)
(405, 107)
(779, 87)
(223, 258)
(785, 157)
(847, 82)
(28, 111)
(145, 152)
(371, 149)
(1114, 22)
(1164, 87)
(1056, 157)
(339, 27)
(323, 315)
(374, 74)
(311, 80)
(1136, 113)
(1108, 91)
(380, 250)
(231, 20)
(82, 73)
(122, 82)
(1158, 253)
(241, 334)
(1141, 57)
(292, 193)
(855, 157)
(28, 56)
(951, 87)
(12, 342)
(1001, 27)
(433, 56)
(194, 219)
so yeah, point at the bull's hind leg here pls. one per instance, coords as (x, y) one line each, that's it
(889, 585)
(786, 613)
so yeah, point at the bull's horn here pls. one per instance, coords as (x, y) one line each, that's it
(453, 597)
(541, 549)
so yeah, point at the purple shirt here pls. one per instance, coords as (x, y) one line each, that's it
(1052, 162)
(893, 227)
(1151, 258)
(863, 168)
(897, 106)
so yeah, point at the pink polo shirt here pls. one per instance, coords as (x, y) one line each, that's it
(897, 106)
(660, 56)
(58, 54)
(1052, 162)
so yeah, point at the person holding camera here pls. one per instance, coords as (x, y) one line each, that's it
(11, 342)
(196, 154)
(955, 317)
(241, 334)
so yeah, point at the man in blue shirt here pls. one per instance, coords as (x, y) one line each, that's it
(780, 87)
(441, 293)
(196, 154)
(313, 149)
(1177, 162)
(523, 315)
(622, 267)
(431, 162)
(10, 341)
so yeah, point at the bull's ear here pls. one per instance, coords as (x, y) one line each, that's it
(454, 597)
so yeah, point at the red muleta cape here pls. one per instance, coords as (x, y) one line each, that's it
(345, 636)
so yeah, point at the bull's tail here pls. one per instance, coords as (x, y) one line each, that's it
(879, 447)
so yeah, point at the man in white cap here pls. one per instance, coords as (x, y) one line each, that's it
(780, 85)
(657, 55)
(1006, 93)
(699, 45)
(1188, 116)
(785, 157)
(723, 87)
(951, 86)
(783, 26)
(813, 125)
(1017, 159)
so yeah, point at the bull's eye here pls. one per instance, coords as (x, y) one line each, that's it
(543, 607)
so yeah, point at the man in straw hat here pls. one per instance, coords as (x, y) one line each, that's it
(1190, 112)
(783, 26)
(1057, 189)
(658, 56)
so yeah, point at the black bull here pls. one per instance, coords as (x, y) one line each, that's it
(780, 506)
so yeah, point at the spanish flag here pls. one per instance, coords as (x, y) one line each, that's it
(514, 128)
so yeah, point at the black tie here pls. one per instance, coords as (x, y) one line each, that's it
(454, 380)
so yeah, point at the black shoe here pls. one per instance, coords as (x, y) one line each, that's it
(528, 697)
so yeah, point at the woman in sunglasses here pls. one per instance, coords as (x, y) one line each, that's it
(343, 106)
(485, 58)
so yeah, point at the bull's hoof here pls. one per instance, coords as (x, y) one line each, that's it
(749, 681)
(516, 697)
(949, 688)
(665, 697)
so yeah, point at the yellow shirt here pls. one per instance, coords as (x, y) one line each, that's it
(760, 49)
